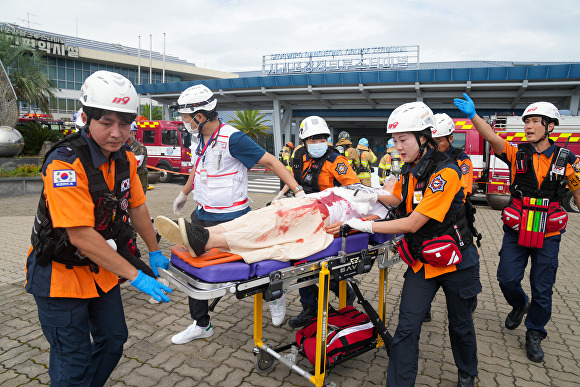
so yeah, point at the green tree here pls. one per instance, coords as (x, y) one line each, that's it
(27, 70)
(251, 122)
(157, 112)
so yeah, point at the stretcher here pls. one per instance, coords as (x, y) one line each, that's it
(214, 275)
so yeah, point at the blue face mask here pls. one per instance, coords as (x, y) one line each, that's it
(317, 150)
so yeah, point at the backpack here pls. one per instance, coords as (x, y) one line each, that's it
(348, 331)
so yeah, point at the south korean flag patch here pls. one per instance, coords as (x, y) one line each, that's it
(437, 184)
(125, 185)
(64, 178)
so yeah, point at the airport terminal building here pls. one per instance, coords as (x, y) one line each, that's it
(72, 59)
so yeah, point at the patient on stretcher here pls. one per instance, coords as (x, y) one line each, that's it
(288, 229)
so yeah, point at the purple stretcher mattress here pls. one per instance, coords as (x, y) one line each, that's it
(239, 270)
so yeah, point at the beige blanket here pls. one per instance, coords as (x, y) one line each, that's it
(287, 229)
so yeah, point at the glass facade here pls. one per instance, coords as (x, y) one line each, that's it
(70, 74)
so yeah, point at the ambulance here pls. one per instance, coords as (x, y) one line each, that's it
(168, 147)
(491, 176)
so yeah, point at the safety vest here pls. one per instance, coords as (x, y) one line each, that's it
(285, 157)
(525, 183)
(308, 179)
(53, 244)
(220, 182)
(455, 223)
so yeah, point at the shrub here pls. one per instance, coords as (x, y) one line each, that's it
(35, 134)
(22, 170)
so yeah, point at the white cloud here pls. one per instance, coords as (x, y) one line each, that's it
(233, 35)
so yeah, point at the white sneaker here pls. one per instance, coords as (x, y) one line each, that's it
(278, 310)
(192, 332)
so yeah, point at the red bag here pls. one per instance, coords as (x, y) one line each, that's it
(512, 216)
(441, 251)
(405, 252)
(348, 331)
(557, 218)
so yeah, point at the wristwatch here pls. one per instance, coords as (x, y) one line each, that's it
(297, 189)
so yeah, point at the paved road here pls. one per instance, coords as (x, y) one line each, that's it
(226, 359)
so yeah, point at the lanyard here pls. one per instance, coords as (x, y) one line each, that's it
(202, 154)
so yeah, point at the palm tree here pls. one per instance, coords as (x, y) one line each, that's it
(155, 114)
(27, 70)
(251, 122)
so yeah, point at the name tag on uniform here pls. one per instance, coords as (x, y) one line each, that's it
(417, 196)
(64, 178)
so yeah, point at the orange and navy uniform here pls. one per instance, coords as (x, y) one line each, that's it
(333, 173)
(445, 191)
(71, 205)
(541, 163)
(466, 168)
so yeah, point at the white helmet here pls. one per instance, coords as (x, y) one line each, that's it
(544, 109)
(195, 98)
(411, 117)
(109, 91)
(444, 125)
(311, 126)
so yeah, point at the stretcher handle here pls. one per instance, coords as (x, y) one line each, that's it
(374, 316)
(344, 230)
(213, 304)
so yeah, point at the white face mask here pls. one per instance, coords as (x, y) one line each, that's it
(194, 132)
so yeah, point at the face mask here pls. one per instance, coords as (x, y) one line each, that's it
(193, 132)
(317, 150)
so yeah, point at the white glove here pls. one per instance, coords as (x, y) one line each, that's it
(361, 225)
(279, 196)
(179, 203)
(300, 193)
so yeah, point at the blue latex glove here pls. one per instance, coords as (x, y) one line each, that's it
(157, 259)
(466, 106)
(151, 286)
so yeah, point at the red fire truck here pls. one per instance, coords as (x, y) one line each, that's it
(167, 144)
(45, 120)
(491, 176)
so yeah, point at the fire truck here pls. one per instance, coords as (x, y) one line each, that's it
(46, 120)
(168, 147)
(491, 176)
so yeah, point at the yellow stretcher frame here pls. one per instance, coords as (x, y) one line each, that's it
(323, 293)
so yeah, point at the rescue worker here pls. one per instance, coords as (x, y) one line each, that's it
(429, 196)
(345, 148)
(366, 158)
(320, 167)
(140, 152)
(221, 157)
(443, 136)
(286, 158)
(385, 162)
(538, 169)
(72, 269)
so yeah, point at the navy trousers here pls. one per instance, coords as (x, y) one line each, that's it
(461, 288)
(544, 265)
(69, 323)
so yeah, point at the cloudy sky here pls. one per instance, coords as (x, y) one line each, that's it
(232, 35)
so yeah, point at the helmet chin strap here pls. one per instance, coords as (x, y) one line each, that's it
(199, 126)
(422, 147)
(546, 133)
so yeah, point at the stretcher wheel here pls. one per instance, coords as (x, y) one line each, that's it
(264, 361)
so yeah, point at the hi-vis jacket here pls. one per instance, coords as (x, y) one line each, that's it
(220, 179)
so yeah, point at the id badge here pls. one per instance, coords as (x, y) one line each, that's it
(417, 196)
(203, 175)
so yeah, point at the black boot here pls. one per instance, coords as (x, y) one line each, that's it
(465, 380)
(308, 313)
(533, 347)
(514, 318)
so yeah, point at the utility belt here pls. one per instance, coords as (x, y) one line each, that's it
(439, 252)
(532, 218)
